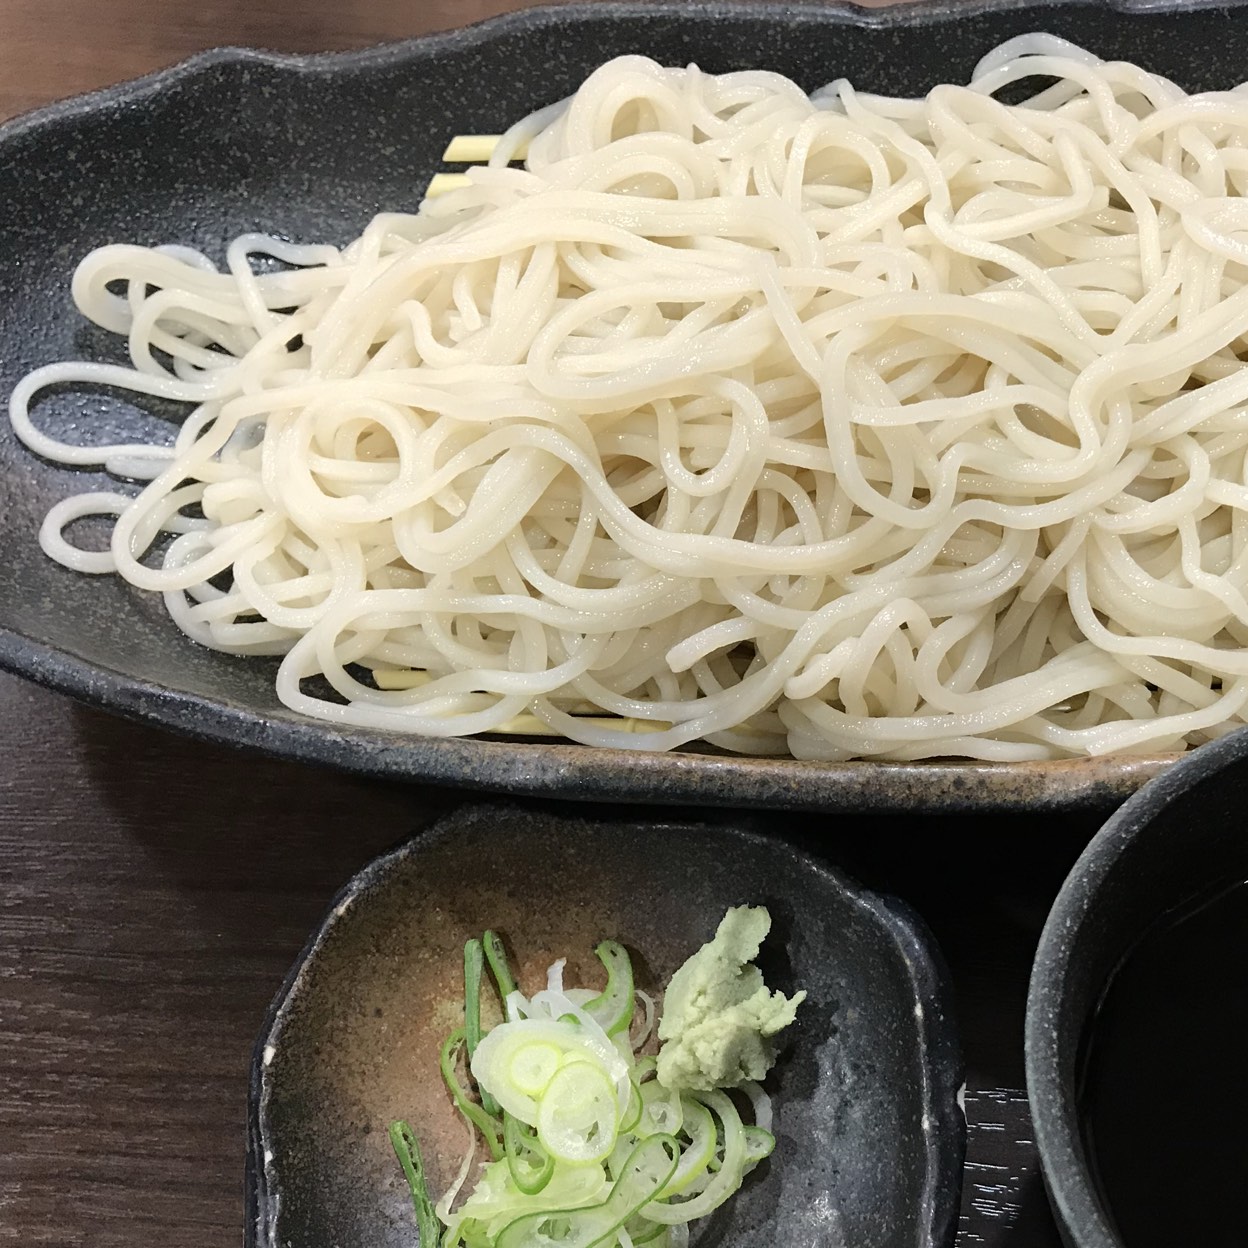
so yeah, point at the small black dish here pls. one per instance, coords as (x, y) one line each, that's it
(1132, 1152)
(870, 1136)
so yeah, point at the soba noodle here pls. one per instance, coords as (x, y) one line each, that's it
(839, 425)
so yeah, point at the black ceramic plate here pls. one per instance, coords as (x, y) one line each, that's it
(311, 147)
(870, 1137)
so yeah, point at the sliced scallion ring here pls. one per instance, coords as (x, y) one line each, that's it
(662, 1111)
(528, 1162)
(533, 1066)
(612, 1010)
(578, 1116)
(759, 1145)
(489, 1127)
(731, 1170)
(646, 1171)
(695, 1157)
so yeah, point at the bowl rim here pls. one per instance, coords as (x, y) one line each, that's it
(581, 772)
(1067, 1175)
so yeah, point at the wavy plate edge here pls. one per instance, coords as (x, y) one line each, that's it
(581, 773)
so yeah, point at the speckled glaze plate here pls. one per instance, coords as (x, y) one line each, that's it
(312, 147)
(870, 1137)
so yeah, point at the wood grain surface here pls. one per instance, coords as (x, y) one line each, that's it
(154, 891)
(53, 48)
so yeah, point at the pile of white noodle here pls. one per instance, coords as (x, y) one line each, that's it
(843, 426)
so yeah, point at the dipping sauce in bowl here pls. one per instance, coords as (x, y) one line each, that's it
(1164, 1090)
(1137, 1014)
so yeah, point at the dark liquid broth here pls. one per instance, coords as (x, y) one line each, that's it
(1164, 1095)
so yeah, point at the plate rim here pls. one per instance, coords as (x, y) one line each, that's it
(588, 774)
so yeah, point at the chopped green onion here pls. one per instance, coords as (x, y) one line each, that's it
(759, 1145)
(646, 1232)
(474, 962)
(515, 1058)
(485, 1123)
(612, 1009)
(662, 1110)
(727, 1178)
(588, 1148)
(496, 956)
(528, 1162)
(645, 1173)
(695, 1159)
(578, 1115)
(407, 1149)
(632, 1116)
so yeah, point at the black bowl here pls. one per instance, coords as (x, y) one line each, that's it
(870, 1135)
(1174, 841)
(312, 147)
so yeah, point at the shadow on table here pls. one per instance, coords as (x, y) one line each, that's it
(218, 824)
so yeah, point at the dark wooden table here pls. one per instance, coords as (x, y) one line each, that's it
(153, 892)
